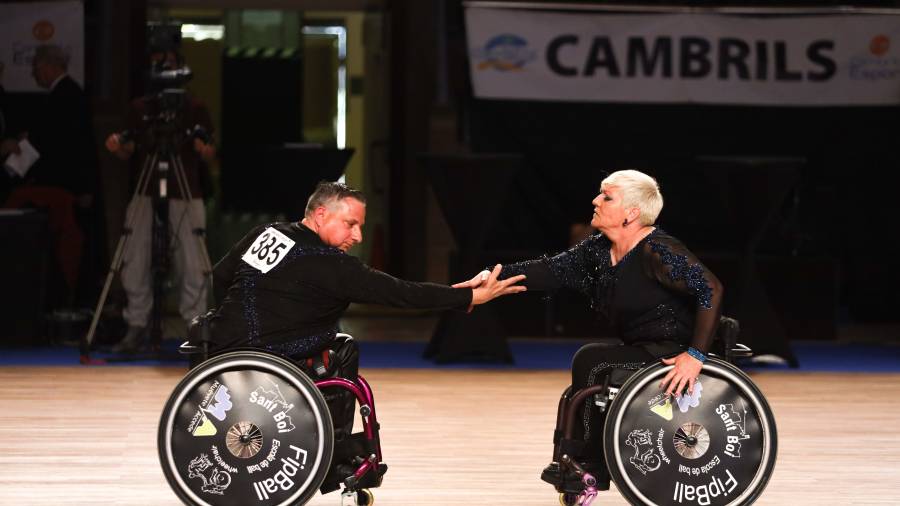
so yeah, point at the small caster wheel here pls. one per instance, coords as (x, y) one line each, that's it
(365, 497)
(568, 499)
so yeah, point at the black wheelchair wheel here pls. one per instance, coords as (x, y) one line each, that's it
(717, 447)
(245, 427)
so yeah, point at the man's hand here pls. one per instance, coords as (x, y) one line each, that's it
(474, 282)
(491, 288)
(685, 373)
(8, 146)
(206, 151)
(114, 145)
(11, 145)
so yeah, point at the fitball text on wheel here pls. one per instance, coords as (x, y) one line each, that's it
(715, 447)
(245, 427)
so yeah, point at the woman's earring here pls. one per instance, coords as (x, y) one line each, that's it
(625, 223)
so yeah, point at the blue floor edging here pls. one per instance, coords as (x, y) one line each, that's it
(813, 356)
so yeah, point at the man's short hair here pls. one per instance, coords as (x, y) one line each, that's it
(638, 190)
(51, 54)
(328, 192)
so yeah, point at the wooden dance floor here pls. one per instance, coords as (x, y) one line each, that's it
(87, 435)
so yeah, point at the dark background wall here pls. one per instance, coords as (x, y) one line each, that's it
(831, 238)
(825, 253)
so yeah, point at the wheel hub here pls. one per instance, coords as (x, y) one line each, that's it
(244, 440)
(691, 440)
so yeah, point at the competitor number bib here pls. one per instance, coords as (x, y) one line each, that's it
(268, 250)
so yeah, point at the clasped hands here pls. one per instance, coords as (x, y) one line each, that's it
(485, 286)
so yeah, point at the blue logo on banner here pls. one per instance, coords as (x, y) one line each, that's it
(504, 52)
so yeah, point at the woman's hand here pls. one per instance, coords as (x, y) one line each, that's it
(685, 373)
(491, 288)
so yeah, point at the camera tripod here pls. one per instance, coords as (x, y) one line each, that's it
(164, 162)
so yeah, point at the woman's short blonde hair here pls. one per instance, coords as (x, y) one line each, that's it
(638, 190)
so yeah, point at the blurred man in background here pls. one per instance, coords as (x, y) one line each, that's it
(156, 127)
(64, 180)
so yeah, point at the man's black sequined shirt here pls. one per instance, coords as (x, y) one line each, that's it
(295, 307)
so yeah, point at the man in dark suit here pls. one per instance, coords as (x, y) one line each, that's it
(9, 144)
(63, 129)
(6, 145)
(64, 179)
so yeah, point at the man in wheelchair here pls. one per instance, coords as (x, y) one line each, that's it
(662, 301)
(283, 287)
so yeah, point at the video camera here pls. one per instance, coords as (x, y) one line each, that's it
(168, 73)
(166, 97)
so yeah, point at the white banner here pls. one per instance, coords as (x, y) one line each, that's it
(698, 58)
(24, 26)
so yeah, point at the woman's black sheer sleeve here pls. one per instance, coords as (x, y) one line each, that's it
(673, 265)
(575, 268)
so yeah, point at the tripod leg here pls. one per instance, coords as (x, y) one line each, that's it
(135, 209)
(159, 269)
(117, 259)
(197, 223)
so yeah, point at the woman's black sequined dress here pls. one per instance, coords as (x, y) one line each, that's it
(659, 291)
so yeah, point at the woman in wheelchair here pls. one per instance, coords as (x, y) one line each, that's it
(661, 300)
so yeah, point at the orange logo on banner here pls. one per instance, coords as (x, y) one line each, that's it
(43, 30)
(879, 45)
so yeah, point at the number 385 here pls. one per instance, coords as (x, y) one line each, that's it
(267, 250)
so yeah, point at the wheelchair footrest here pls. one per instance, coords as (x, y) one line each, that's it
(567, 481)
(349, 454)
(373, 478)
(339, 474)
(336, 476)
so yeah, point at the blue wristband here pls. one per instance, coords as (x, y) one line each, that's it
(694, 352)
